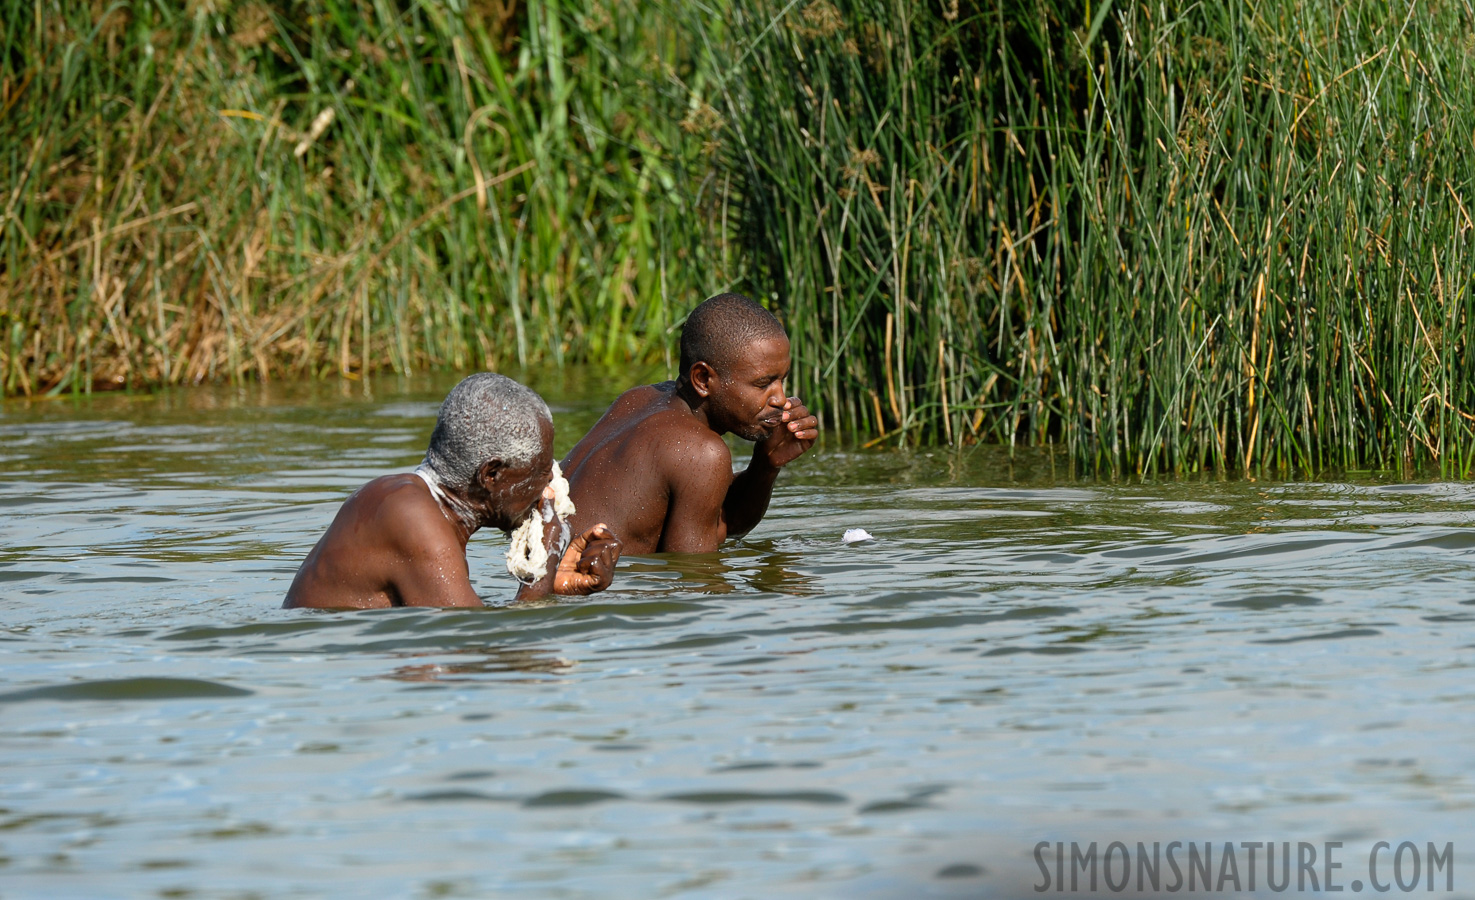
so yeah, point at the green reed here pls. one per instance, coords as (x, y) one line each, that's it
(1174, 237)
(499, 183)
(1169, 236)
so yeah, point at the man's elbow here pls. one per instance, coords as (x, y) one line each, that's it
(444, 602)
(694, 543)
(438, 594)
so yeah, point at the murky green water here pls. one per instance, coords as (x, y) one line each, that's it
(1017, 657)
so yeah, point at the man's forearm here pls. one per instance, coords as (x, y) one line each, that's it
(748, 496)
(535, 590)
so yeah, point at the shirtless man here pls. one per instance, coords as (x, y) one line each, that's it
(400, 540)
(655, 466)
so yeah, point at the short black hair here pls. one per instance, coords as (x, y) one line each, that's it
(721, 328)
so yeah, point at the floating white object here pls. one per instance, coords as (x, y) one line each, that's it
(856, 535)
(527, 558)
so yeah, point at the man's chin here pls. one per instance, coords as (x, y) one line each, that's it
(507, 526)
(756, 433)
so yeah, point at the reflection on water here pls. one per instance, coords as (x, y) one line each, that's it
(753, 564)
(482, 661)
(1016, 657)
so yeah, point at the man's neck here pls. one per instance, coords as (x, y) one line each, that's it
(462, 515)
(694, 402)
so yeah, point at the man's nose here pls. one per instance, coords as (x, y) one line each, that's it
(776, 395)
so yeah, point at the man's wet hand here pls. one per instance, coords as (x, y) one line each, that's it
(588, 565)
(796, 431)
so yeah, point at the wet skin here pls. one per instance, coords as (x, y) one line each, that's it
(392, 544)
(655, 467)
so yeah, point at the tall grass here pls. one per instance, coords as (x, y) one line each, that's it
(1170, 236)
(216, 190)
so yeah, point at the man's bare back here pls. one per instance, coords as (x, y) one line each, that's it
(655, 467)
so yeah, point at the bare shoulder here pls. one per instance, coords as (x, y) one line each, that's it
(380, 527)
(400, 492)
(644, 395)
(639, 402)
(619, 423)
(404, 514)
(689, 449)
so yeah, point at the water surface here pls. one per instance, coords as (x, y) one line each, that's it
(1018, 656)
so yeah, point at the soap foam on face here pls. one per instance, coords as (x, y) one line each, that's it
(527, 558)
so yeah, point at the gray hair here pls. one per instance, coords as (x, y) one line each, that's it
(486, 416)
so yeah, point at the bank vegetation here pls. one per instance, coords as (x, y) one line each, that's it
(1165, 236)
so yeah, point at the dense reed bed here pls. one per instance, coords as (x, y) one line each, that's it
(1174, 237)
(1169, 236)
(214, 190)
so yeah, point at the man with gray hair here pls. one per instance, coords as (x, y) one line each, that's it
(400, 540)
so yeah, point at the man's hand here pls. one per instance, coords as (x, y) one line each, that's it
(588, 565)
(795, 434)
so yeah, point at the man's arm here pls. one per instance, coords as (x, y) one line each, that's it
(429, 565)
(747, 498)
(436, 577)
(698, 476)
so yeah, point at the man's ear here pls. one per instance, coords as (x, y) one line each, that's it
(702, 377)
(486, 476)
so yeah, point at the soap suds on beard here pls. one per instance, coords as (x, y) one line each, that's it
(527, 558)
